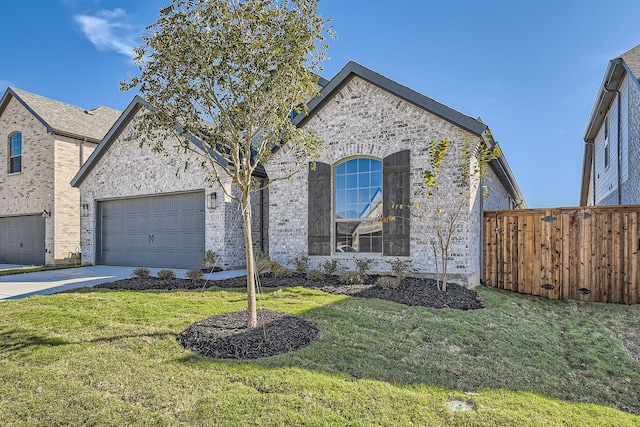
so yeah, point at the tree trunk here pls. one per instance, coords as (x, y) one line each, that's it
(252, 311)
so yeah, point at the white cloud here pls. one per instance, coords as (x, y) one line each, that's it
(107, 30)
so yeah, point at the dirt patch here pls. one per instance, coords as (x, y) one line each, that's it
(226, 336)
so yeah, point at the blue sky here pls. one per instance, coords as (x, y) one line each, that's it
(530, 69)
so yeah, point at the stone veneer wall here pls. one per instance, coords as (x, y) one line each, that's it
(32, 190)
(631, 187)
(362, 119)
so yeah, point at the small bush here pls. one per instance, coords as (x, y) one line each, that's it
(263, 265)
(363, 265)
(315, 275)
(277, 269)
(209, 258)
(141, 272)
(282, 273)
(261, 256)
(194, 274)
(166, 274)
(351, 278)
(301, 263)
(387, 282)
(329, 267)
(399, 268)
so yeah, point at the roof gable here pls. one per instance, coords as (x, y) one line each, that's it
(64, 119)
(136, 104)
(332, 87)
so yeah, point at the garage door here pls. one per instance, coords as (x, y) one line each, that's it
(22, 240)
(159, 231)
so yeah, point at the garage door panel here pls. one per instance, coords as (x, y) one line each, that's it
(22, 240)
(160, 231)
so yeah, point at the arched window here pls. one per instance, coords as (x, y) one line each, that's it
(15, 153)
(358, 206)
(347, 203)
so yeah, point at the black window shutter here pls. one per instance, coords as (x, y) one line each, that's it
(396, 191)
(319, 216)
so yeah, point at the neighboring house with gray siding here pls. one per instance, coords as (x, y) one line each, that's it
(143, 209)
(376, 134)
(611, 160)
(45, 142)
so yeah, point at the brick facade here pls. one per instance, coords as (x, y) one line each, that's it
(127, 170)
(49, 162)
(362, 119)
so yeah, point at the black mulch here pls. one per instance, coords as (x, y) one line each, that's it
(226, 336)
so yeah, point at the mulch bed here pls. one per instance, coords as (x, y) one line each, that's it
(226, 336)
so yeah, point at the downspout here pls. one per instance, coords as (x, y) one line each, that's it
(481, 254)
(262, 216)
(619, 190)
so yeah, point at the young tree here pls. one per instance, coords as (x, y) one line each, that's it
(451, 182)
(230, 73)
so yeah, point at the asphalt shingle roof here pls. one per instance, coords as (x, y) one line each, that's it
(632, 59)
(68, 119)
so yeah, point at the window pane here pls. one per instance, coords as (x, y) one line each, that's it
(364, 165)
(363, 188)
(16, 145)
(352, 166)
(365, 236)
(15, 164)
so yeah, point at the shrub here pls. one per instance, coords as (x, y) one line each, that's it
(329, 267)
(363, 265)
(141, 272)
(315, 275)
(194, 274)
(277, 269)
(282, 273)
(399, 268)
(301, 263)
(209, 258)
(263, 265)
(261, 256)
(387, 282)
(351, 278)
(166, 274)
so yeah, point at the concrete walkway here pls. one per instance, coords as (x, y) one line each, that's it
(17, 286)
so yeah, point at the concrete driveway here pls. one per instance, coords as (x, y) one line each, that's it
(24, 285)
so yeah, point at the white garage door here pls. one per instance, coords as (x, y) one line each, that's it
(158, 231)
(22, 240)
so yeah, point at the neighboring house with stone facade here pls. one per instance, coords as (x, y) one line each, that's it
(376, 134)
(143, 209)
(611, 161)
(44, 144)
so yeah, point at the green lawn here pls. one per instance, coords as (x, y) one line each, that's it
(111, 359)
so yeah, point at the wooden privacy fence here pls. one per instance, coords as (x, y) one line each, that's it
(587, 254)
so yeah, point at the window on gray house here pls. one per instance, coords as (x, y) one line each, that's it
(365, 190)
(15, 153)
(606, 156)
